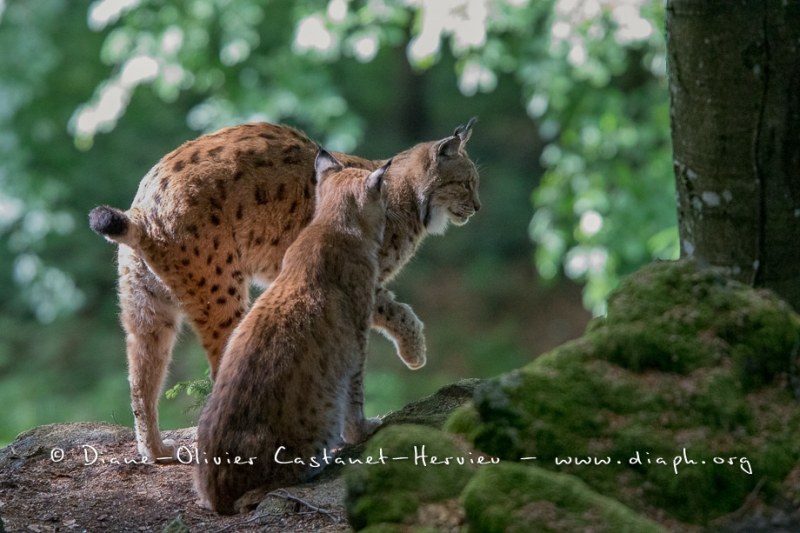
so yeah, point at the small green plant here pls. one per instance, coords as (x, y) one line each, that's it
(198, 389)
(177, 525)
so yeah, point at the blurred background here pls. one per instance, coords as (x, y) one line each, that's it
(572, 144)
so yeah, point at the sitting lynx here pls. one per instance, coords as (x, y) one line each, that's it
(221, 210)
(296, 360)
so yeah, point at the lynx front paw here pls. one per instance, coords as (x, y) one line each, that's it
(370, 426)
(414, 354)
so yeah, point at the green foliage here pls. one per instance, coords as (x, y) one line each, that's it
(176, 526)
(592, 77)
(242, 64)
(32, 210)
(373, 76)
(600, 98)
(199, 389)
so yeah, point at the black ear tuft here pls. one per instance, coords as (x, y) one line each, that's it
(375, 179)
(451, 146)
(464, 131)
(325, 163)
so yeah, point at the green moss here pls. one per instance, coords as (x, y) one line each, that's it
(642, 346)
(685, 359)
(669, 288)
(384, 528)
(392, 492)
(397, 528)
(698, 492)
(511, 497)
(676, 317)
(567, 406)
(463, 420)
(717, 401)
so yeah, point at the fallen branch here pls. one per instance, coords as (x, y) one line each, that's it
(284, 495)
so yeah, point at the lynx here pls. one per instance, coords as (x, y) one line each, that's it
(219, 212)
(296, 359)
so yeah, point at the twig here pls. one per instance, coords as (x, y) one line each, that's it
(255, 518)
(286, 495)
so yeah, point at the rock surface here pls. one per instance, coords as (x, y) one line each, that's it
(88, 476)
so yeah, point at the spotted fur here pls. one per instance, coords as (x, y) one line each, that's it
(296, 360)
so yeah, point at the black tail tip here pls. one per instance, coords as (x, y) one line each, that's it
(108, 221)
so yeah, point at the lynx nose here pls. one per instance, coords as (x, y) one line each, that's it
(476, 204)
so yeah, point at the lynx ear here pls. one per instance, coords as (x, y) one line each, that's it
(324, 164)
(374, 181)
(450, 146)
(464, 131)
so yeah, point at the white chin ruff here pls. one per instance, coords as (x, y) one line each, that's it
(438, 221)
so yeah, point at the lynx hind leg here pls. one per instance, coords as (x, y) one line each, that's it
(357, 427)
(215, 327)
(151, 320)
(400, 325)
(214, 297)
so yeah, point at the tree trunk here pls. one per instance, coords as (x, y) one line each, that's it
(734, 75)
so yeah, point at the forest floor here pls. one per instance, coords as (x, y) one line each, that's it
(90, 488)
(88, 476)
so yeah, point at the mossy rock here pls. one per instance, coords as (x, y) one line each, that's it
(433, 410)
(685, 360)
(397, 528)
(676, 317)
(391, 492)
(508, 498)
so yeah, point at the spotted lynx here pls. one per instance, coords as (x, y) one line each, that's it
(219, 212)
(296, 359)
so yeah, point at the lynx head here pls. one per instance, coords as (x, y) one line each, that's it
(354, 197)
(451, 189)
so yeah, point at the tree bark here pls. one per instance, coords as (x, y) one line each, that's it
(734, 77)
